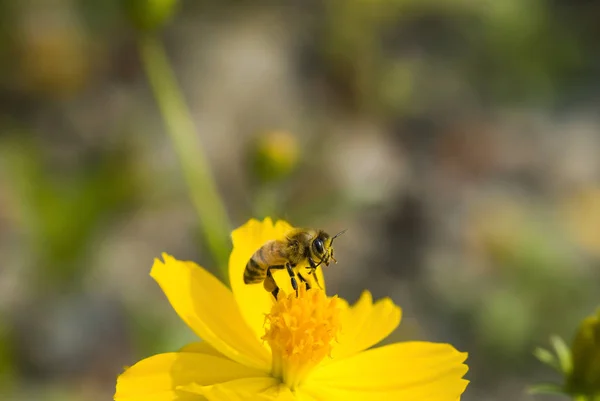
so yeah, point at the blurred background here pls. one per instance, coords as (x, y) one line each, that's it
(458, 141)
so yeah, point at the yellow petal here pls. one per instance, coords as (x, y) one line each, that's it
(366, 324)
(406, 371)
(208, 307)
(253, 300)
(302, 395)
(159, 377)
(171, 395)
(331, 394)
(201, 347)
(247, 389)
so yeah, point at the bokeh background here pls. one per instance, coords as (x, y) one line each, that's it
(458, 141)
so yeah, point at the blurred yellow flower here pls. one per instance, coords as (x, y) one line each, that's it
(276, 155)
(305, 347)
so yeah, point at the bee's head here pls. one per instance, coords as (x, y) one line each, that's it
(322, 247)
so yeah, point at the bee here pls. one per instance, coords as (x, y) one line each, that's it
(301, 247)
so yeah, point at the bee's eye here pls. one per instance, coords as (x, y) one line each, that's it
(318, 244)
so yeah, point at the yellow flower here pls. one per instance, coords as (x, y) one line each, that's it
(306, 347)
(276, 155)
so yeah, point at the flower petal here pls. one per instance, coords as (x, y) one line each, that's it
(331, 394)
(408, 371)
(159, 377)
(366, 324)
(247, 389)
(254, 302)
(305, 396)
(171, 395)
(201, 347)
(208, 307)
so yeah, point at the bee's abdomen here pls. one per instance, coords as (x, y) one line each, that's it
(254, 272)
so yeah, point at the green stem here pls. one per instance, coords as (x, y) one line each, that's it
(214, 221)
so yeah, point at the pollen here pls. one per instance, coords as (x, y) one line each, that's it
(301, 331)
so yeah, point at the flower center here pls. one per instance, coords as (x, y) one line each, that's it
(301, 331)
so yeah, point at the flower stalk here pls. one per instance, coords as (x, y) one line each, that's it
(205, 197)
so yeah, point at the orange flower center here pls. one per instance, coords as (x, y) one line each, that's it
(301, 331)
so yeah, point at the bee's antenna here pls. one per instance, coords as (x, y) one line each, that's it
(337, 235)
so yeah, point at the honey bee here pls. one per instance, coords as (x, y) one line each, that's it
(301, 247)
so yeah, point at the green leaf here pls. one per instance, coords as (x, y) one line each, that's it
(545, 388)
(564, 354)
(547, 357)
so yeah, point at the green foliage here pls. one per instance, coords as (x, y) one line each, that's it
(61, 215)
(585, 376)
(7, 371)
(579, 366)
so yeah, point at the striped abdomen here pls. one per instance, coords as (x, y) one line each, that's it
(271, 254)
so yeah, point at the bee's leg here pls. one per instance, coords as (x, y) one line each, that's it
(312, 263)
(313, 271)
(302, 279)
(316, 278)
(292, 277)
(269, 283)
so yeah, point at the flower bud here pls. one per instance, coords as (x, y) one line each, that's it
(584, 379)
(276, 154)
(147, 15)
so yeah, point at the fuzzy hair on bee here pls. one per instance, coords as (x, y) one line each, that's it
(300, 247)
